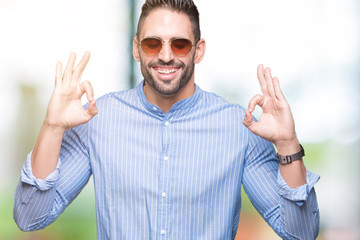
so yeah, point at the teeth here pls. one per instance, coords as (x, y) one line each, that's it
(166, 71)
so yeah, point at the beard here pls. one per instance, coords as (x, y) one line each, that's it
(174, 85)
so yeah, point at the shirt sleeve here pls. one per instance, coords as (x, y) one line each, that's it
(41, 184)
(292, 213)
(38, 202)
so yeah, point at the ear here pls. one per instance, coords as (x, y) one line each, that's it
(136, 53)
(200, 50)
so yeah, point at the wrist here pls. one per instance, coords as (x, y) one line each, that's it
(49, 127)
(288, 147)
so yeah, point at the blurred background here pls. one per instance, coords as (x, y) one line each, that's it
(312, 46)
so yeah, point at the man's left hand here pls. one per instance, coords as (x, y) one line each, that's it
(276, 123)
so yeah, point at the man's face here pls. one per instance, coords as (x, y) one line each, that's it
(166, 72)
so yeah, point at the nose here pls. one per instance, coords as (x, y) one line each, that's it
(165, 53)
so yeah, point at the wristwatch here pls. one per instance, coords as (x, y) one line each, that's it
(290, 158)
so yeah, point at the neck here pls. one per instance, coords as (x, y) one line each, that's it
(165, 102)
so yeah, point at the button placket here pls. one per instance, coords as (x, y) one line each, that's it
(164, 178)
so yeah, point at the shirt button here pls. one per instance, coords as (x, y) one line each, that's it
(166, 158)
(167, 123)
(154, 108)
(162, 232)
(163, 194)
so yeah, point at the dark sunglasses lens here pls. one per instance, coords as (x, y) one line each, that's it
(151, 45)
(181, 46)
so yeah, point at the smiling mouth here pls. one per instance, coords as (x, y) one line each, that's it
(166, 73)
(165, 70)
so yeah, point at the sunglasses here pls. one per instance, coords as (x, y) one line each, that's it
(179, 46)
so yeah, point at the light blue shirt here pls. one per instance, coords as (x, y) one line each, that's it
(168, 176)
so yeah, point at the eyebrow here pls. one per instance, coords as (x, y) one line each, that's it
(151, 36)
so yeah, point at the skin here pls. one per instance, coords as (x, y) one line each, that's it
(65, 110)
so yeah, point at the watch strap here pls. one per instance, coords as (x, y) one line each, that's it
(290, 158)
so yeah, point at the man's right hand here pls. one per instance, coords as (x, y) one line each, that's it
(65, 110)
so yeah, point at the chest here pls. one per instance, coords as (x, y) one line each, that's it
(146, 156)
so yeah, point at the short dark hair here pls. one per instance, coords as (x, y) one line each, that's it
(185, 6)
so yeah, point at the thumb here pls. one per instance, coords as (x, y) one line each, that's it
(92, 109)
(249, 121)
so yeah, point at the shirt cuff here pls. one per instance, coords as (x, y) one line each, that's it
(299, 194)
(42, 184)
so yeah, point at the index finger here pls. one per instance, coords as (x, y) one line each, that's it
(261, 78)
(81, 66)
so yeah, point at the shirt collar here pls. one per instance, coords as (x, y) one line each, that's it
(183, 104)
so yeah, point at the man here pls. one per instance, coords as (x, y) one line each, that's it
(167, 158)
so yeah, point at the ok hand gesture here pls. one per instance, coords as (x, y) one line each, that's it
(65, 109)
(276, 123)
